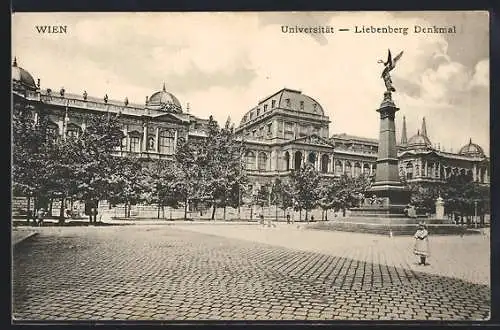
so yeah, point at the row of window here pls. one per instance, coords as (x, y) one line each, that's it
(273, 105)
(132, 142)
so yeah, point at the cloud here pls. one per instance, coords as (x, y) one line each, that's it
(224, 63)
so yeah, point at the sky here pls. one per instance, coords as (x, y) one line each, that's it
(222, 64)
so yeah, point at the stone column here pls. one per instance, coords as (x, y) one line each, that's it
(176, 136)
(486, 176)
(474, 172)
(144, 137)
(343, 166)
(127, 143)
(318, 161)
(157, 140)
(425, 169)
(60, 124)
(291, 160)
(439, 208)
(371, 168)
(257, 159)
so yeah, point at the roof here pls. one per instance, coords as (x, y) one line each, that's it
(288, 99)
(345, 136)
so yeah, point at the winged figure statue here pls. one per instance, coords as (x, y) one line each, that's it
(389, 65)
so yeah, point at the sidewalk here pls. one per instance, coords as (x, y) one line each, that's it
(21, 234)
(466, 258)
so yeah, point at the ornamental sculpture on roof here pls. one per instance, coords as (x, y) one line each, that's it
(389, 65)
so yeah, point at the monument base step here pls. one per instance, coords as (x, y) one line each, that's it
(387, 229)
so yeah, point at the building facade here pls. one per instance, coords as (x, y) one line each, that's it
(282, 132)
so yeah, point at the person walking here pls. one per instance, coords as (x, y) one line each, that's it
(421, 248)
(40, 216)
(288, 218)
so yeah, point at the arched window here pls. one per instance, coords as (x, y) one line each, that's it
(311, 158)
(366, 169)
(262, 161)
(348, 168)
(338, 168)
(51, 131)
(250, 160)
(135, 141)
(324, 163)
(357, 169)
(409, 171)
(166, 142)
(298, 160)
(286, 161)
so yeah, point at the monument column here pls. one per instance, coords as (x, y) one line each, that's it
(387, 183)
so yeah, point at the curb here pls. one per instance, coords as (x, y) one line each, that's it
(23, 238)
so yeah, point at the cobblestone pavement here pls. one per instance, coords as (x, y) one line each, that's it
(466, 258)
(166, 273)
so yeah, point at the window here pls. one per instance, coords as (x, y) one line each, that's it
(135, 144)
(251, 115)
(288, 104)
(301, 105)
(273, 104)
(124, 144)
(262, 161)
(51, 132)
(72, 131)
(265, 107)
(258, 111)
(254, 133)
(250, 161)
(166, 142)
(269, 128)
(315, 107)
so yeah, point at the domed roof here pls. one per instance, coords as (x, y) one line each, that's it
(287, 99)
(164, 101)
(471, 149)
(419, 140)
(22, 76)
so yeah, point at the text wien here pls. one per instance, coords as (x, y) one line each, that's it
(51, 28)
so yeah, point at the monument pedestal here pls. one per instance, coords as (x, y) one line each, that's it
(386, 210)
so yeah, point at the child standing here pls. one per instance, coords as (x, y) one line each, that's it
(421, 248)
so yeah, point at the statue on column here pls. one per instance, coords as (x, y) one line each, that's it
(389, 65)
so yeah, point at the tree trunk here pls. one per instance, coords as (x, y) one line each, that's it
(185, 209)
(224, 212)
(326, 215)
(163, 211)
(61, 211)
(125, 209)
(128, 210)
(213, 211)
(28, 211)
(251, 212)
(158, 216)
(300, 215)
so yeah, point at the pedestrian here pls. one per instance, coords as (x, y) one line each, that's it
(421, 247)
(288, 218)
(40, 216)
(312, 218)
(261, 216)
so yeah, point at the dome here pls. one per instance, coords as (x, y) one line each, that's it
(419, 140)
(164, 101)
(471, 149)
(287, 99)
(22, 76)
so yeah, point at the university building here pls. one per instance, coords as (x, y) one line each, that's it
(282, 132)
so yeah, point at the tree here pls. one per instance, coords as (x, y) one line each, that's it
(305, 182)
(98, 168)
(220, 166)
